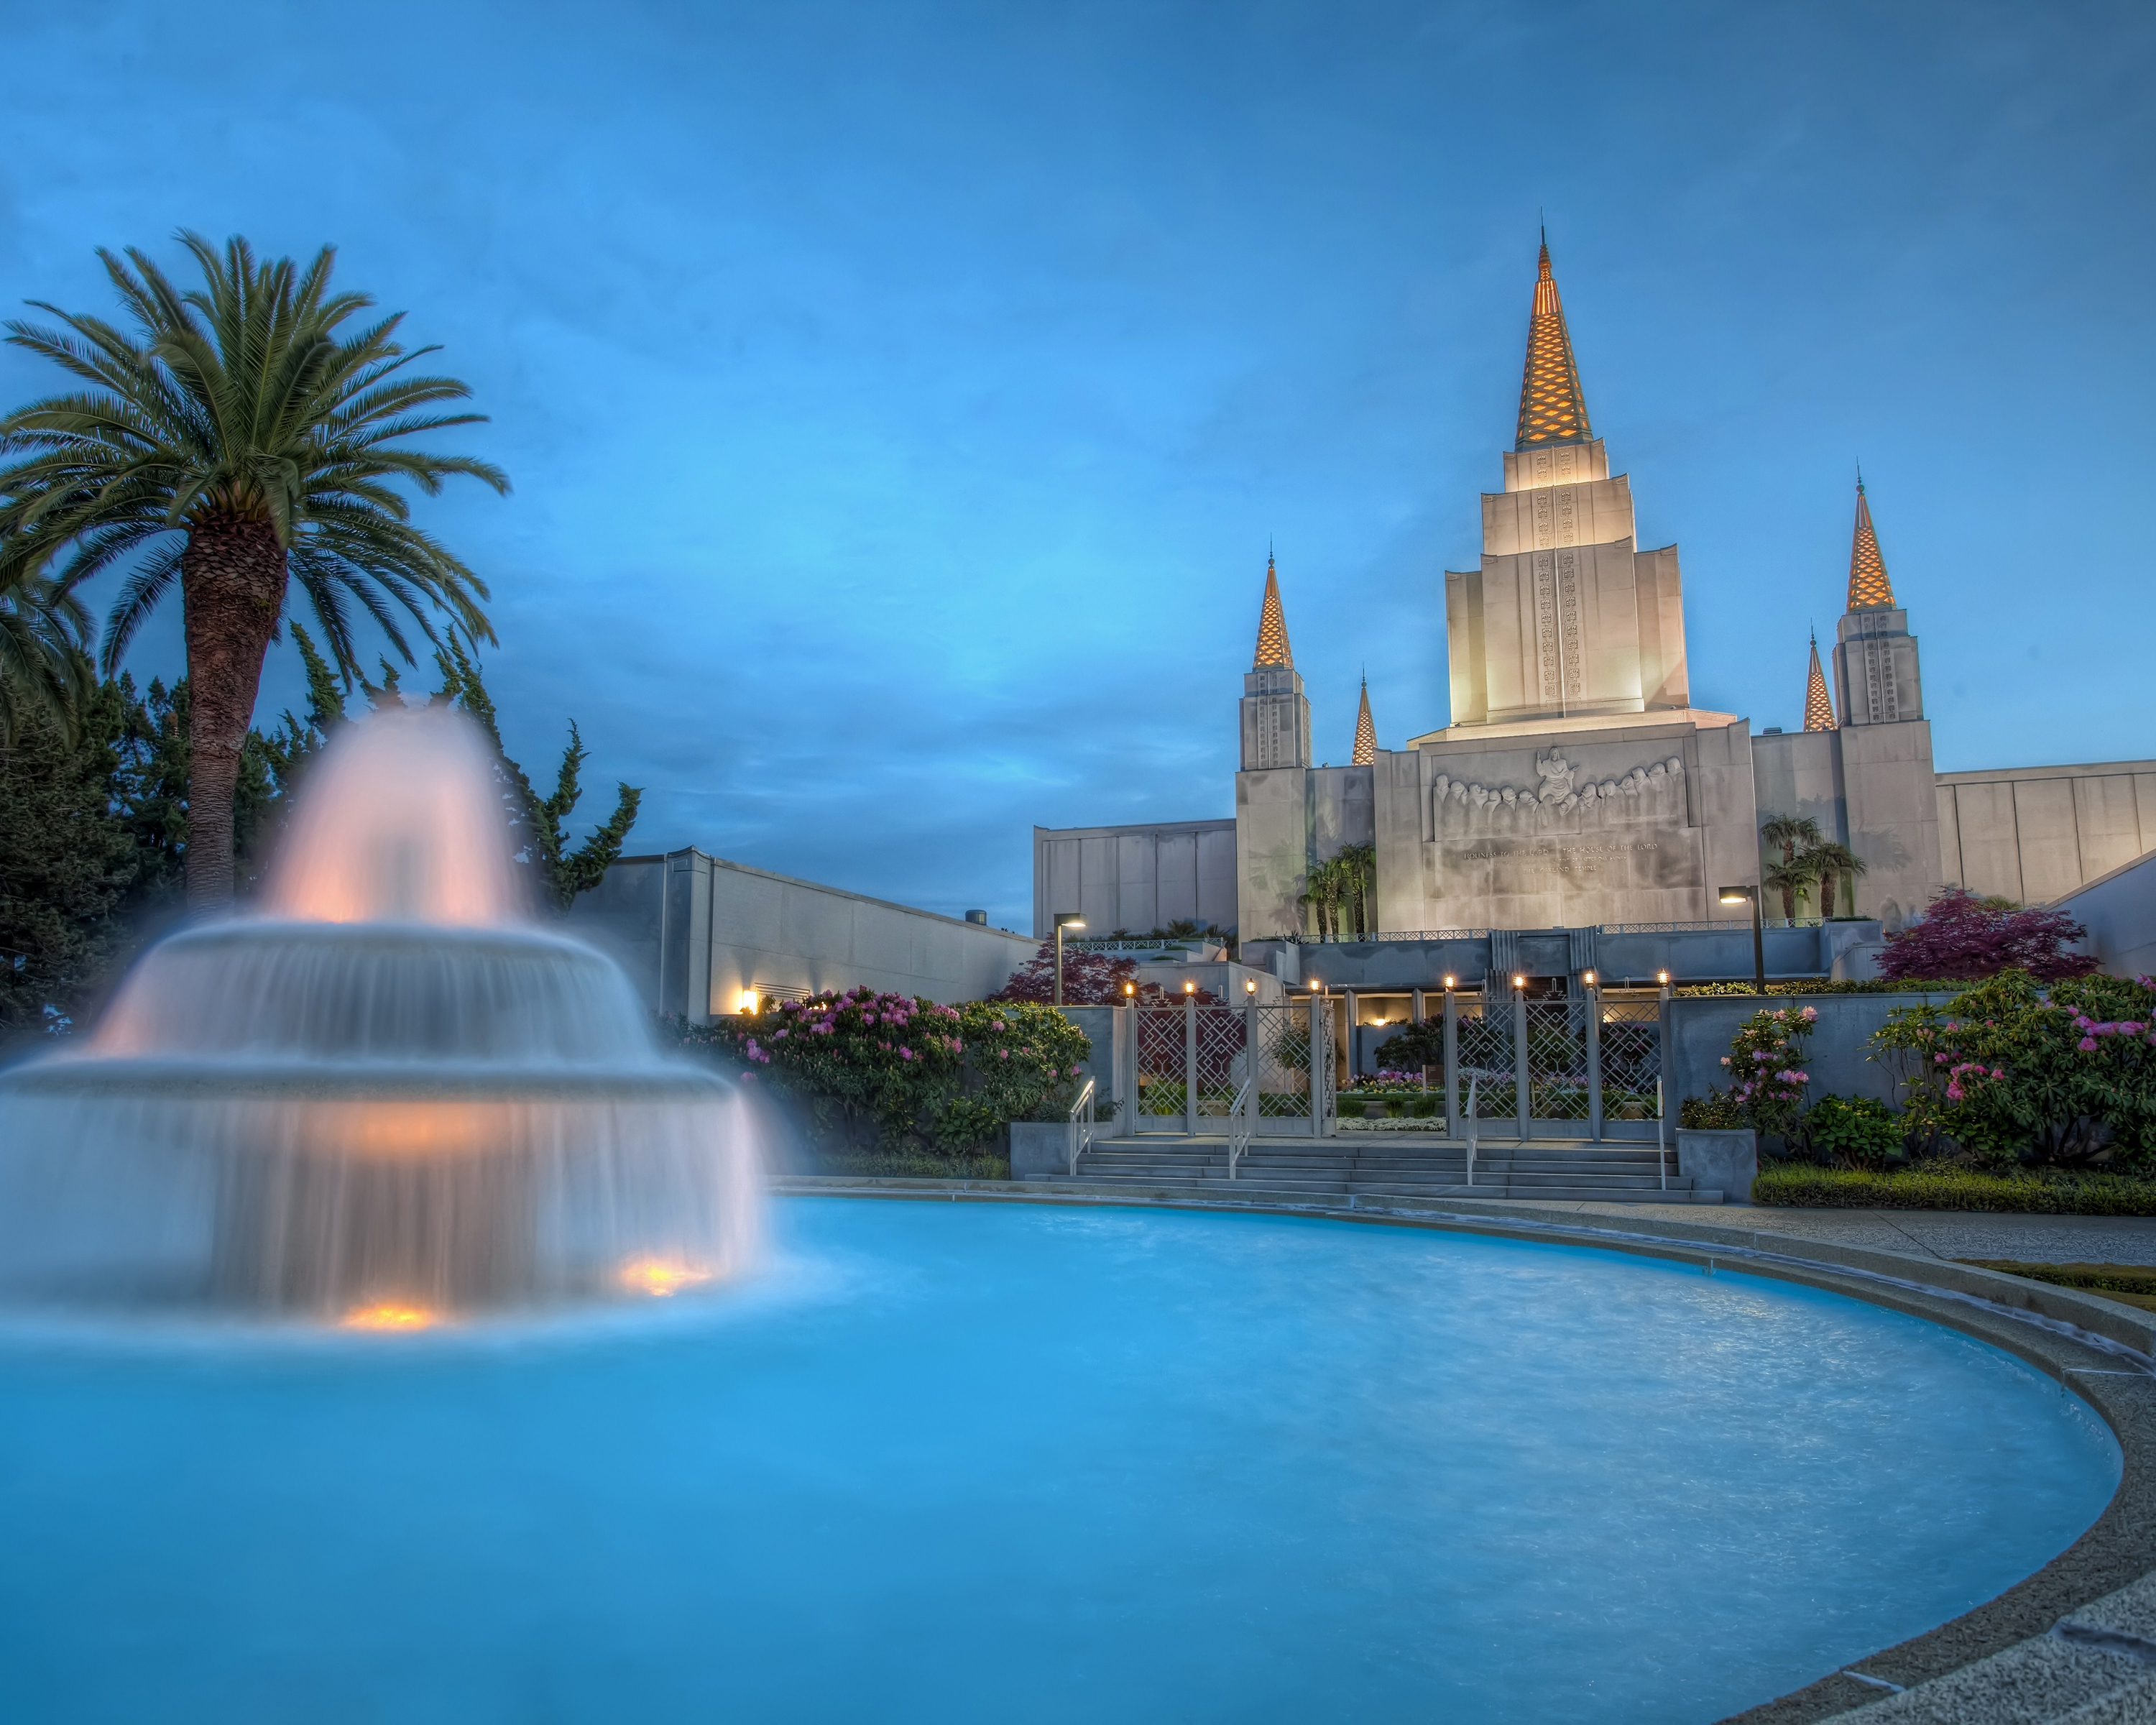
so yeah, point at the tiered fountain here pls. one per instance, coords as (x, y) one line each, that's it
(386, 1098)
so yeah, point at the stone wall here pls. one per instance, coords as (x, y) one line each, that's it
(2034, 834)
(2119, 912)
(1137, 878)
(1839, 1061)
(694, 931)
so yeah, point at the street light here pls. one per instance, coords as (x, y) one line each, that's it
(1750, 894)
(1064, 919)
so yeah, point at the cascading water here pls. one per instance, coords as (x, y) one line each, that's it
(385, 1099)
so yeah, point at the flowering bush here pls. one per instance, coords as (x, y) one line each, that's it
(1766, 1066)
(1089, 979)
(872, 1070)
(1963, 937)
(2016, 1070)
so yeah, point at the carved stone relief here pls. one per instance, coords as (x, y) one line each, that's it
(1562, 802)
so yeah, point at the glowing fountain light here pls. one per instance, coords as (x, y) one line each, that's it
(661, 1278)
(389, 1315)
(390, 1078)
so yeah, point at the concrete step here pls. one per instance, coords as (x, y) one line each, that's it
(1256, 1191)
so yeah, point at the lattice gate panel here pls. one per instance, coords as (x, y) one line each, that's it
(1631, 1059)
(1485, 1056)
(1158, 1033)
(1557, 1059)
(1222, 1035)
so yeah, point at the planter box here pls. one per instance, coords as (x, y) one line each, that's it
(1721, 1161)
(1039, 1147)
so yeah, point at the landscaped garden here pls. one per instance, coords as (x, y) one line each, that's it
(2032, 1089)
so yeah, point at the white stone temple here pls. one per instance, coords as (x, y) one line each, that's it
(1576, 786)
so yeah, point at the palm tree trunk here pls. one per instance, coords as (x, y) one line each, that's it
(232, 586)
(1829, 882)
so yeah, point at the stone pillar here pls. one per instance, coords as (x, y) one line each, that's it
(1524, 1088)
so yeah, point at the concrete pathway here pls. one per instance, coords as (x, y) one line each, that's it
(1938, 1234)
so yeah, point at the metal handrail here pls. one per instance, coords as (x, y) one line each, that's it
(1662, 1138)
(1474, 1129)
(1081, 1125)
(1241, 1123)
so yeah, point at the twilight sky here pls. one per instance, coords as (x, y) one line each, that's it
(900, 400)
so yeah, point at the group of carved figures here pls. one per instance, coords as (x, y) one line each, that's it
(1653, 793)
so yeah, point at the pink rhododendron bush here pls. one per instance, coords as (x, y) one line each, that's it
(2018, 1071)
(1766, 1067)
(880, 1071)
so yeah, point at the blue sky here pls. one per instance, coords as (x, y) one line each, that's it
(900, 400)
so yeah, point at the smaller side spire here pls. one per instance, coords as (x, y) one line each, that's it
(1272, 625)
(1819, 705)
(1366, 733)
(1868, 585)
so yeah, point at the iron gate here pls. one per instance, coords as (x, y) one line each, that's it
(1584, 1066)
(1188, 1063)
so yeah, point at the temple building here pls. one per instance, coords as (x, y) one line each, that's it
(1576, 787)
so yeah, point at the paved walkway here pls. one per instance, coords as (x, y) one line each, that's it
(1938, 1234)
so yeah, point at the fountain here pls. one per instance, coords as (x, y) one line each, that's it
(386, 1098)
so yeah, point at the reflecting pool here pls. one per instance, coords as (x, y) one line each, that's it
(971, 1461)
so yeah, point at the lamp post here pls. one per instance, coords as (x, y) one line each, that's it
(1064, 919)
(1750, 894)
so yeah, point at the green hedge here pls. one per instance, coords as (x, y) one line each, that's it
(1818, 985)
(1944, 1187)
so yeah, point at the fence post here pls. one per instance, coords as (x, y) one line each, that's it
(1522, 1076)
(1190, 1065)
(1452, 1062)
(1593, 1063)
(1317, 1090)
(1124, 1069)
(1348, 996)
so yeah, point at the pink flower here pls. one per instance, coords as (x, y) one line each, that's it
(1074, 1071)
(868, 1018)
(1810, 1013)
(1725, 1060)
(2088, 1045)
(1003, 1054)
(906, 1054)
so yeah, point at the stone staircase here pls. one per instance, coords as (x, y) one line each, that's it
(1398, 1165)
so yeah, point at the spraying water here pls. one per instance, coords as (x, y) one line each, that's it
(386, 1099)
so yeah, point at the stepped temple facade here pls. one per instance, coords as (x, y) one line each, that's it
(1577, 787)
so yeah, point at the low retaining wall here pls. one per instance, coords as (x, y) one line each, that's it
(1839, 1057)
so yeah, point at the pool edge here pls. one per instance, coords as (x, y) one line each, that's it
(2101, 1352)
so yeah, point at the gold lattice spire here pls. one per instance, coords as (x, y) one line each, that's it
(1819, 705)
(1272, 625)
(1553, 410)
(1868, 584)
(1365, 733)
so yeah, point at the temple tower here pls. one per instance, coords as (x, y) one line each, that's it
(1565, 618)
(1885, 741)
(1276, 713)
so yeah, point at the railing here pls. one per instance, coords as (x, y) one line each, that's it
(1473, 1131)
(1081, 1126)
(1156, 943)
(1363, 940)
(1662, 1138)
(1241, 1123)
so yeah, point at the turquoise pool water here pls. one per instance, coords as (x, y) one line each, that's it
(974, 1462)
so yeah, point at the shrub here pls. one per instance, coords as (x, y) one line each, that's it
(1416, 1046)
(1717, 1111)
(1089, 979)
(1022, 1060)
(1860, 1130)
(1819, 985)
(1951, 1186)
(1766, 1061)
(2016, 1071)
(1964, 936)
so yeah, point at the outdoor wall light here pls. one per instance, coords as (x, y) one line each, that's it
(1130, 992)
(1588, 978)
(1750, 896)
(1064, 919)
(1249, 985)
(1451, 982)
(1519, 982)
(1663, 977)
(747, 1001)
(1189, 987)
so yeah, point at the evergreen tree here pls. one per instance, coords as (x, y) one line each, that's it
(67, 858)
(539, 824)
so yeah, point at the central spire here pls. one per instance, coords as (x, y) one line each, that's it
(1365, 733)
(1552, 408)
(1272, 625)
(1868, 584)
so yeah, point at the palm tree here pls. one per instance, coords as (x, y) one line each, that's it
(1357, 866)
(245, 436)
(1789, 831)
(1790, 879)
(43, 665)
(1834, 863)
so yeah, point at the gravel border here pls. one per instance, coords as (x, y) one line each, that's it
(2103, 1351)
